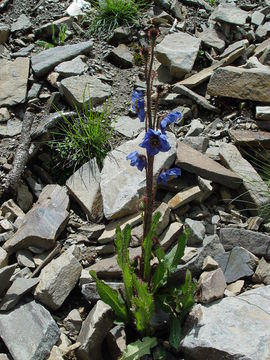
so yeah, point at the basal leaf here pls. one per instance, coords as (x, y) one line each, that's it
(173, 258)
(175, 332)
(136, 350)
(121, 244)
(159, 277)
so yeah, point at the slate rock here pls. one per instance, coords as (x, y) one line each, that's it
(71, 68)
(231, 14)
(250, 138)
(121, 57)
(127, 126)
(43, 223)
(94, 330)
(197, 231)
(84, 186)
(240, 83)
(46, 60)
(5, 275)
(185, 197)
(195, 162)
(211, 286)
(170, 235)
(262, 273)
(84, 88)
(212, 38)
(173, 53)
(28, 331)
(23, 52)
(11, 128)
(121, 184)
(237, 264)
(23, 23)
(253, 241)
(224, 329)
(257, 18)
(57, 279)
(25, 258)
(3, 258)
(14, 78)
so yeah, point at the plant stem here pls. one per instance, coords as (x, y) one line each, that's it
(149, 193)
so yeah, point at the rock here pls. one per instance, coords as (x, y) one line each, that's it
(127, 126)
(164, 220)
(241, 318)
(253, 241)
(197, 232)
(250, 138)
(94, 330)
(46, 60)
(4, 115)
(257, 190)
(195, 162)
(14, 78)
(173, 53)
(92, 231)
(234, 288)
(71, 68)
(121, 184)
(90, 293)
(57, 279)
(4, 357)
(199, 143)
(3, 258)
(121, 57)
(262, 273)
(212, 38)
(84, 186)
(184, 197)
(55, 354)
(263, 112)
(230, 14)
(12, 128)
(4, 33)
(240, 83)
(5, 274)
(211, 286)
(23, 23)
(23, 52)
(200, 100)
(43, 223)
(24, 197)
(116, 341)
(196, 128)
(170, 235)
(257, 18)
(209, 264)
(25, 258)
(73, 321)
(34, 91)
(42, 331)
(19, 287)
(84, 88)
(236, 264)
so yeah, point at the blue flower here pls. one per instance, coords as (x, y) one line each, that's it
(169, 119)
(154, 142)
(138, 104)
(168, 175)
(137, 160)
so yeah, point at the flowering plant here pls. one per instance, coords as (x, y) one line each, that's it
(146, 287)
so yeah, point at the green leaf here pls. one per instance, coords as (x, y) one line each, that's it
(138, 349)
(159, 277)
(44, 44)
(128, 283)
(173, 258)
(175, 332)
(121, 243)
(188, 291)
(111, 297)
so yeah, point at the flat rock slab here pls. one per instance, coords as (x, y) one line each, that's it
(233, 328)
(250, 138)
(231, 14)
(212, 38)
(71, 68)
(257, 189)
(122, 184)
(11, 128)
(84, 186)
(195, 162)
(263, 112)
(121, 57)
(28, 331)
(128, 126)
(240, 83)
(44, 222)
(14, 78)
(174, 53)
(253, 241)
(46, 60)
(84, 88)
(5, 275)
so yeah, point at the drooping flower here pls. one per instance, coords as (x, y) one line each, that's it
(167, 175)
(138, 104)
(137, 160)
(169, 119)
(155, 142)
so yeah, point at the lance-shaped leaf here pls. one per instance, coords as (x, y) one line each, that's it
(173, 258)
(175, 331)
(136, 350)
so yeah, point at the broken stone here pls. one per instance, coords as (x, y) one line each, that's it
(25, 258)
(73, 321)
(211, 37)
(262, 273)
(240, 83)
(24, 197)
(170, 235)
(211, 286)
(57, 279)
(43, 223)
(127, 126)
(197, 232)
(200, 100)
(12, 128)
(84, 186)
(121, 57)
(3, 258)
(257, 18)
(196, 128)
(92, 231)
(184, 197)
(209, 264)
(116, 341)
(71, 68)
(5, 275)
(234, 288)
(14, 78)
(250, 138)
(231, 14)
(23, 23)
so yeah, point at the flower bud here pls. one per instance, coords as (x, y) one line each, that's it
(153, 33)
(145, 53)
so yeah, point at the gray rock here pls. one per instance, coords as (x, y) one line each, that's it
(197, 231)
(14, 78)
(94, 330)
(173, 53)
(262, 273)
(84, 88)
(23, 23)
(92, 231)
(71, 68)
(196, 128)
(5, 274)
(195, 162)
(43, 223)
(34, 91)
(73, 321)
(12, 128)
(23, 52)
(258, 191)
(263, 112)
(19, 287)
(211, 286)
(257, 18)
(121, 57)
(24, 197)
(84, 186)
(25, 258)
(90, 293)
(28, 331)
(236, 264)
(3, 258)
(116, 341)
(211, 37)
(185, 197)
(46, 60)
(4, 114)
(57, 279)
(224, 330)
(231, 14)
(253, 241)
(4, 33)
(121, 184)
(128, 127)
(170, 235)
(199, 143)
(164, 220)
(240, 83)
